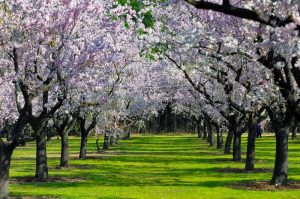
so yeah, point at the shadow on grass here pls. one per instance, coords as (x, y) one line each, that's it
(154, 161)
(264, 186)
(238, 170)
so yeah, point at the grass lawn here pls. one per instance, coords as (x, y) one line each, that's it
(151, 167)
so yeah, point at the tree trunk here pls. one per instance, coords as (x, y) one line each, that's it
(64, 157)
(280, 173)
(112, 140)
(208, 133)
(211, 135)
(5, 159)
(128, 135)
(294, 131)
(219, 139)
(117, 138)
(49, 138)
(6, 151)
(204, 132)
(250, 157)
(294, 134)
(228, 142)
(82, 154)
(237, 147)
(199, 129)
(97, 145)
(106, 140)
(41, 157)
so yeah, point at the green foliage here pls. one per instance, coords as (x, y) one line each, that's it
(141, 31)
(156, 50)
(135, 5)
(148, 19)
(150, 57)
(122, 2)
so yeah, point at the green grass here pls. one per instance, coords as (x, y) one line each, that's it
(150, 167)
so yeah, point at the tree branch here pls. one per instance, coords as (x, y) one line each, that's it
(242, 13)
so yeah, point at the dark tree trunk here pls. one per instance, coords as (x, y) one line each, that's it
(294, 131)
(250, 157)
(106, 140)
(199, 129)
(208, 133)
(211, 135)
(5, 159)
(280, 173)
(8, 137)
(237, 147)
(204, 132)
(294, 134)
(112, 140)
(64, 125)
(39, 126)
(82, 154)
(117, 138)
(6, 151)
(228, 142)
(84, 134)
(219, 139)
(128, 135)
(64, 158)
(41, 157)
(97, 145)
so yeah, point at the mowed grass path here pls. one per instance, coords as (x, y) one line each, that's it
(151, 167)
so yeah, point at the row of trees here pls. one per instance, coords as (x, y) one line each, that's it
(111, 65)
(237, 64)
(65, 64)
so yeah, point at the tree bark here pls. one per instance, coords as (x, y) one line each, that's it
(128, 135)
(237, 147)
(219, 139)
(294, 130)
(117, 138)
(208, 133)
(6, 151)
(280, 173)
(84, 134)
(294, 134)
(41, 157)
(250, 157)
(211, 135)
(39, 126)
(97, 145)
(64, 157)
(228, 142)
(199, 129)
(106, 140)
(5, 159)
(204, 132)
(49, 138)
(82, 154)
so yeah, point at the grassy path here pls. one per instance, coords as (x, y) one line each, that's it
(150, 167)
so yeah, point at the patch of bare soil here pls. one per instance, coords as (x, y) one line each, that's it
(50, 179)
(237, 170)
(265, 186)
